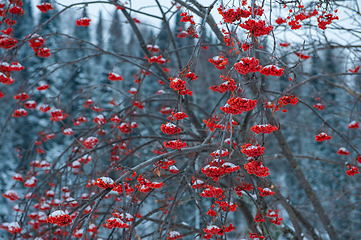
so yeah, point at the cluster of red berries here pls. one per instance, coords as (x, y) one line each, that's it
(353, 125)
(7, 68)
(116, 223)
(85, 22)
(7, 42)
(352, 170)
(90, 142)
(284, 44)
(274, 216)
(256, 28)
(211, 125)
(272, 70)
(170, 128)
(302, 56)
(227, 84)
(127, 188)
(212, 230)
(177, 84)
(252, 150)
(247, 65)
(20, 113)
(280, 20)
(12, 227)
(175, 144)
(285, 100)
(179, 115)
(211, 191)
(319, 106)
(11, 195)
(57, 115)
(105, 182)
(259, 218)
(44, 7)
(59, 218)
(216, 169)
(238, 105)
(219, 62)
(37, 43)
(343, 151)
(324, 20)
(264, 128)
(187, 18)
(255, 236)
(227, 207)
(264, 192)
(156, 59)
(153, 48)
(100, 119)
(256, 167)
(191, 76)
(232, 15)
(146, 185)
(322, 137)
(114, 77)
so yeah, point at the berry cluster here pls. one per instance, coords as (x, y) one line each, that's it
(247, 65)
(324, 20)
(105, 182)
(116, 223)
(85, 22)
(217, 168)
(219, 62)
(156, 59)
(170, 128)
(146, 185)
(114, 77)
(37, 43)
(343, 151)
(187, 18)
(179, 115)
(238, 105)
(177, 84)
(252, 150)
(256, 167)
(302, 56)
(90, 142)
(285, 100)
(59, 218)
(264, 128)
(264, 192)
(352, 170)
(322, 137)
(20, 113)
(319, 106)
(232, 15)
(153, 48)
(353, 125)
(44, 7)
(274, 217)
(271, 70)
(175, 144)
(11, 194)
(280, 20)
(228, 84)
(256, 28)
(211, 192)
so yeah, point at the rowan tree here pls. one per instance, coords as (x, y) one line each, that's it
(185, 119)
